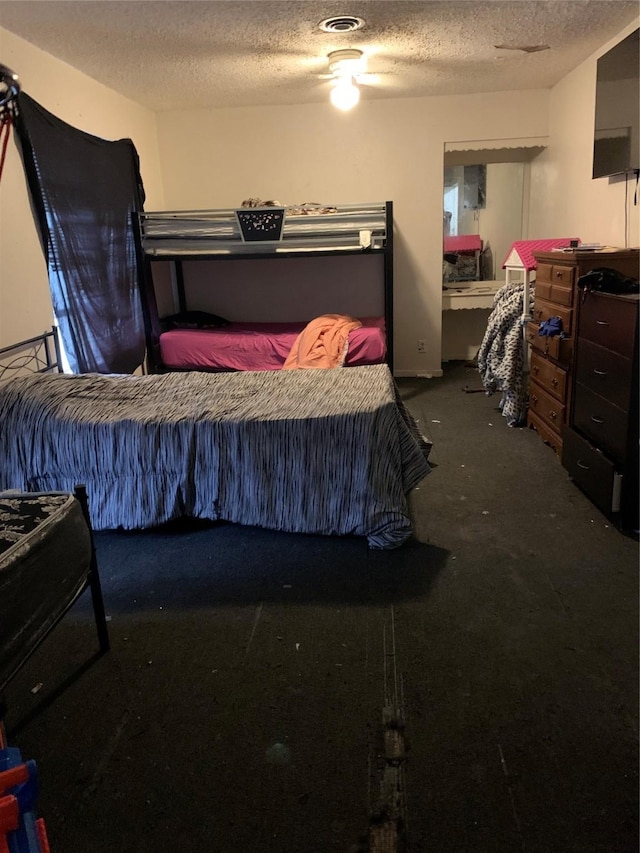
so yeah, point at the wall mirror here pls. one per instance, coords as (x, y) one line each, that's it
(484, 211)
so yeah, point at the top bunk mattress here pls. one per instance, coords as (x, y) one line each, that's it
(260, 346)
(304, 228)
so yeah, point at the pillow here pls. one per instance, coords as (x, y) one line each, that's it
(193, 320)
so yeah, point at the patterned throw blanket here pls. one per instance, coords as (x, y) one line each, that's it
(322, 343)
(501, 354)
(314, 451)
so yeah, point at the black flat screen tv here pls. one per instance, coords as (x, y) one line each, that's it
(616, 141)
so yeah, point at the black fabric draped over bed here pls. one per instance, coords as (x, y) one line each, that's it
(84, 191)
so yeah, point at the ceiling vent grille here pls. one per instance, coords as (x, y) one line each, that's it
(341, 24)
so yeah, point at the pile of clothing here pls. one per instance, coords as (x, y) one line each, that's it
(501, 357)
(307, 208)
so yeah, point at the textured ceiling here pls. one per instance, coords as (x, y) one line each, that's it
(167, 55)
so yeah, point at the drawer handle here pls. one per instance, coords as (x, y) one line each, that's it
(582, 465)
(534, 399)
(553, 415)
(599, 372)
(536, 369)
(554, 382)
(601, 323)
(597, 420)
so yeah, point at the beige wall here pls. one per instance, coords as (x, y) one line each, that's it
(565, 200)
(385, 149)
(25, 305)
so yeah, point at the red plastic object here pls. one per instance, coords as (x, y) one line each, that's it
(9, 815)
(42, 836)
(13, 776)
(9, 820)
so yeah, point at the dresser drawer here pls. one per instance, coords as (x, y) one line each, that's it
(602, 422)
(609, 322)
(590, 469)
(543, 310)
(552, 378)
(547, 408)
(548, 435)
(555, 274)
(550, 292)
(561, 349)
(607, 373)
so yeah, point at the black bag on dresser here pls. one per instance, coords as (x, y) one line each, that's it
(607, 280)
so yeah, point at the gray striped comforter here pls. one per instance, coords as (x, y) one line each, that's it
(316, 451)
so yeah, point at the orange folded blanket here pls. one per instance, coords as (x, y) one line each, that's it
(323, 342)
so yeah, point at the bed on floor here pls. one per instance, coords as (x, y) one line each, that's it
(331, 452)
(243, 283)
(47, 558)
(47, 561)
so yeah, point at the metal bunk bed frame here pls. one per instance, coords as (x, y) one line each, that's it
(217, 234)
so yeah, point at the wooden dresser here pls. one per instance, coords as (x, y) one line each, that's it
(600, 449)
(552, 358)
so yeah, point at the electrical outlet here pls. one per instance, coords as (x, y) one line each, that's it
(421, 346)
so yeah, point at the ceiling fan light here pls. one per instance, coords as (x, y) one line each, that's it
(347, 62)
(345, 94)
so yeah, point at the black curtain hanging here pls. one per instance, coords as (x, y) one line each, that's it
(84, 191)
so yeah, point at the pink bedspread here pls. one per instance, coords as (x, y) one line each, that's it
(260, 346)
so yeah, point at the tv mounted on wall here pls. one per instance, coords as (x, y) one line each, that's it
(616, 142)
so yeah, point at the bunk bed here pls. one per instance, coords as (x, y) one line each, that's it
(184, 239)
(331, 452)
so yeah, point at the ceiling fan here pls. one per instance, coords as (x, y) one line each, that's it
(347, 72)
(345, 66)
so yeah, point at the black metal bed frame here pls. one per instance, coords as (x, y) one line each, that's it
(40, 354)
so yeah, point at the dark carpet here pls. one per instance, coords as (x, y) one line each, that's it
(244, 705)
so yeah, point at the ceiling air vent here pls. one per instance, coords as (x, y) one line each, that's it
(341, 24)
